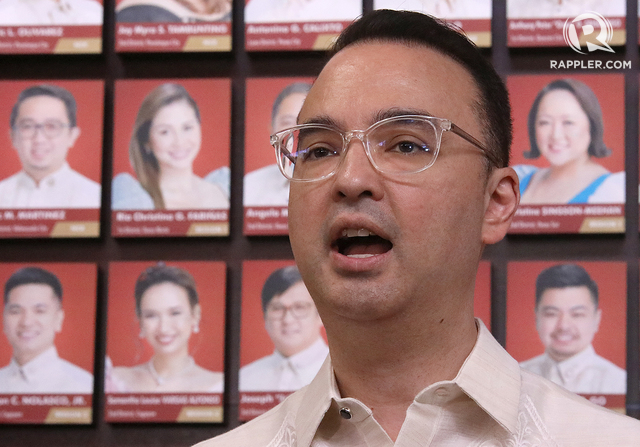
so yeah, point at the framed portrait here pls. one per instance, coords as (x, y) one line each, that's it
(47, 347)
(171, 158)
(272, 105)
(290, 25)
(568, 152)
(566, 321)
(165, 342)
(282, 339)
(50, 181)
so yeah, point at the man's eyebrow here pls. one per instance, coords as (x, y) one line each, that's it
(322, 119)
(393, 112)
(378, 116)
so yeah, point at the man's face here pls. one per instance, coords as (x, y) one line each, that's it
(292, 321)
(430, 224)
(567, 320)
(288, 112)
(31, 319)
(42, 153)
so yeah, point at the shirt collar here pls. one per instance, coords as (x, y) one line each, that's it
(315, 403)
(307, 355)
(489, 376)
(576, 361)
(53, 178)
(30, 370)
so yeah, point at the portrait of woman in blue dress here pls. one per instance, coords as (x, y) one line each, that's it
(565, 127)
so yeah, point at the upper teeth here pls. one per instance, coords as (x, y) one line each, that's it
(353, 232)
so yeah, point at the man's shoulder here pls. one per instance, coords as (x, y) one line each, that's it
(83, 180)
(78, 374)
(609, 366)
(262, 362)
(11, 180)
(572, 420)
(533, 361)
(275, 427)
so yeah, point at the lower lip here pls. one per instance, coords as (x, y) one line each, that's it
(165, 342)
(27, 337)
(39, 155)
(358, 265)
(564, 341)
(180, 155)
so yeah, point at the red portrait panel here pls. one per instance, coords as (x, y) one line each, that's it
(609, 89)
(254, 340)
(523, 341)
(124, 345)
(76, 341)
(261, 95)
(86, 154)
(568, 325)
(213, 97)
(574, 178)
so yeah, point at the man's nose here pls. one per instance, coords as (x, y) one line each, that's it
(26, 318)
(564, 321)
(356, 176)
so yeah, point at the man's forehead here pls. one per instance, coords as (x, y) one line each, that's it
(374, 77)
(566, 297)
(32, 293)
(42, 103)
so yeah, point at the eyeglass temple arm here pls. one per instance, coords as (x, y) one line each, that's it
(490, 155)
(287, 154)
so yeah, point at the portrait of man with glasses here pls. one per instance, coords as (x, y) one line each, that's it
(399, 178)
(43, 129)
(294, 326)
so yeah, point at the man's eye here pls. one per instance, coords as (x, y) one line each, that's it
(410, 147)
(51, 127)
(316, 153)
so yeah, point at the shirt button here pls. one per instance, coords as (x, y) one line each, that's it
(442, 392)
(345, 413)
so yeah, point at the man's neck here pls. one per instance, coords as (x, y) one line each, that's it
(25, 357)
(37, 175)
(386, 364)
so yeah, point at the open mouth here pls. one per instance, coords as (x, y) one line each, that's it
(361, 243)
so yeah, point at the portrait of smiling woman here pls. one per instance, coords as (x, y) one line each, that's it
(164, 144)
(169, 313)
(565, 127)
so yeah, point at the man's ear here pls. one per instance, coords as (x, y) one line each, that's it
(502, 196)
(75, 133)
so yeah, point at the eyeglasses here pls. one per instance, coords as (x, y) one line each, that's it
(298, 310)
(403, 144)
(50, 128)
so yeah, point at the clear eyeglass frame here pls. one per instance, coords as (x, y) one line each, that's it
(297, 310)
(50, 128)
(440, 125)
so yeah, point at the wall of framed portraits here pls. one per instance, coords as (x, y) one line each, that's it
(244, 81)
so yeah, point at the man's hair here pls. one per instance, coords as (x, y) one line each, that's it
(279, 282)
(162, 273)
(565, 275)
(54, 91)
(32, 275)
(296, 87)
(590, 106)
(412, 28)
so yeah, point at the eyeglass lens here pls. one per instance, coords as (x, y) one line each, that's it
(298, 310)
(396, 146)
(50, 128)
